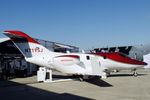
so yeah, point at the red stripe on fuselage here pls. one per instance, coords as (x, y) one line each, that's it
(119, 57)
(71, 56)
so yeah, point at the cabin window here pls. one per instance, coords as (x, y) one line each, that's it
(104, 57)
(88, 57)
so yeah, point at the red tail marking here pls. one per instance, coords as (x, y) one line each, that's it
(21, 34)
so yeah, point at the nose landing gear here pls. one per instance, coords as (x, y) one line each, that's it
(135, 73)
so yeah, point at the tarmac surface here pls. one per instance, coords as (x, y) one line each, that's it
(119, 86)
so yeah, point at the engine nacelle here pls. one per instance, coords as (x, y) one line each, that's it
(66, 60)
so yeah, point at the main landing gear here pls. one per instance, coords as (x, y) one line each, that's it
(85, 77)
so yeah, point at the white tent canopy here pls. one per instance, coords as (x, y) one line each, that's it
(147, 60)
(4, 39)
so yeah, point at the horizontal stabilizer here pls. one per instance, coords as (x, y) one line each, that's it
(13, 34)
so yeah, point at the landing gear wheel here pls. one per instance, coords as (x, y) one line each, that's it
(85, 77)
(135, 73)
(107, 74)
(81, 79)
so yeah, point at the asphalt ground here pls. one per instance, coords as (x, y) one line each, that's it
(119, 86)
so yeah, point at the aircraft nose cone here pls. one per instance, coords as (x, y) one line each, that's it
(139, 62)
(144, 63)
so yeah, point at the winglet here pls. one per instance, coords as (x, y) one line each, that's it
(18, 34)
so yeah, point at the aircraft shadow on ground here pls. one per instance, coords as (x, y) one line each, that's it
(63, 76)
(98, 82)
(15, 91)
(94, 80)
(125, 75)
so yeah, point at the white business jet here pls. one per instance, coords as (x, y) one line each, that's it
(72, 63)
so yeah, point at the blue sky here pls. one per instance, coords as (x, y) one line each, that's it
(83, 23)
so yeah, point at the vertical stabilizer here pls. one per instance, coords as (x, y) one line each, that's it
(27, 45)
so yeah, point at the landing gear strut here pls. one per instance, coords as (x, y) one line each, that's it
(84, 77)
(81, 79)
(135, 73)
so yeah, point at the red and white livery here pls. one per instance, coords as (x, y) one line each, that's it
(72, 63)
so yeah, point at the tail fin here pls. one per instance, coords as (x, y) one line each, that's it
(27, 45)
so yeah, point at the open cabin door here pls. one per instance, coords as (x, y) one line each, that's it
(96, 66)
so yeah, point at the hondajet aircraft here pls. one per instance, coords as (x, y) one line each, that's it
(70, 63)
